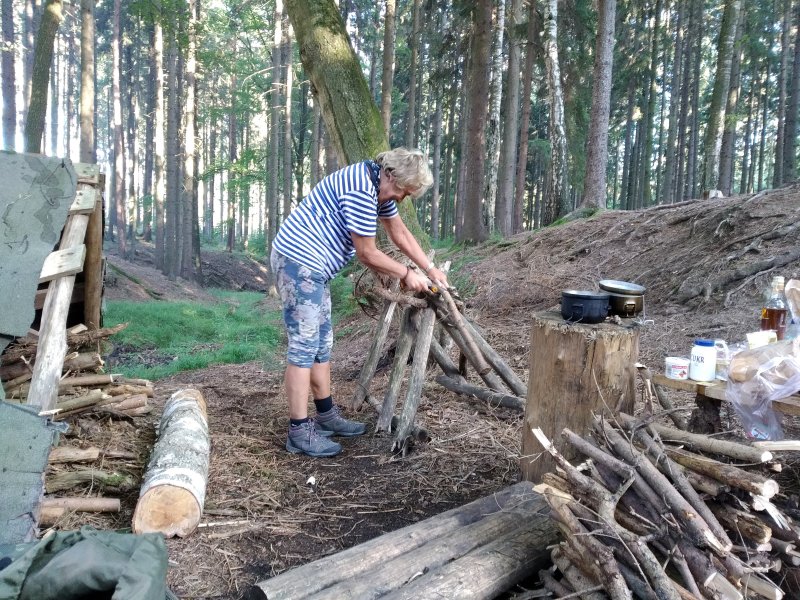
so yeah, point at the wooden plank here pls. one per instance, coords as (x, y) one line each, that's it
(87, 172)
(53, 332)
(77, 294)
(63, 262)
(85, 200)
(716, 391)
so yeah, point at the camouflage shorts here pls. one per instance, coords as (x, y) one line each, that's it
(306, 298)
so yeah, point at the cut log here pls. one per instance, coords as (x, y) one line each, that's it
(730, 474)
(575, 370)
(174, 487)
(488, 571)
(403, 438)
(735, 450)
(83, 504)
(513, 382)
(372, 555)
(401, 353)
(68, 454)
(70, 479)
(490, 396)
(371, 362)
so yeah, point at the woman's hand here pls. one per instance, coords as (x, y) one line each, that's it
(438, 277)
(414, 281)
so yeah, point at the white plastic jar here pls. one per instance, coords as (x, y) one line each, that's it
(703, 361)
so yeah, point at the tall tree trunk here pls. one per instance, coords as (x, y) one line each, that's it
(504, 205)
(473, 229)
(287, 121)
(727, 149)
(40, 76)
(232, 156)
(722, 82)
(33, 19)
(159, 143)
(525, 120)
(647, 148)
(352, 120)
(131, 95)
(9, 77)
(414, 42)
(387, 73)
(783, 72)
(745, 181)
(171, 198)
(273, 170)
(790, 129)
(694, 122)
(436, 171)
(627, 154)
(316, 142)
(557, 197)
(189, 111)
(147, 183)
(54, 99)
(88, 150)
(676, 82)
(594, 190)
(119, 159)
(493, 126)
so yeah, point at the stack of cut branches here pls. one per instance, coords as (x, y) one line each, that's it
(83, 386)
(656, 512)
(418, 322)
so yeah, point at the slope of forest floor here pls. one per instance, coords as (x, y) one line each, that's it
(704, 264)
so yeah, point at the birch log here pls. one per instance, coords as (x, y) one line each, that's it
(174, 487)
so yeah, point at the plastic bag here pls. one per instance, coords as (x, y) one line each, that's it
(758, 377)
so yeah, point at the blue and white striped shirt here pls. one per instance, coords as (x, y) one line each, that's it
(317, 233)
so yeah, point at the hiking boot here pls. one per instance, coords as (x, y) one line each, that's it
(305, 439)
(333, 423)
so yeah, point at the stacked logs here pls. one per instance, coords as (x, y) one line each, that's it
(659, 513)
(83, 386)
(418, 321)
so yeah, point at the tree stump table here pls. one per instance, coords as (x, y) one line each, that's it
(575, 370)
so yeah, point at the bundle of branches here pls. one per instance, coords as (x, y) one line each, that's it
(83, 386)
(657, 512)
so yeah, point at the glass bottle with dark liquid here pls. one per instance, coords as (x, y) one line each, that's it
(774, 315)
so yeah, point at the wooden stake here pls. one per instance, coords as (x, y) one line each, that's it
(371, 362)
(401, 353)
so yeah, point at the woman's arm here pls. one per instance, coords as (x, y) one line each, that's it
(408, 245)
(373, 258)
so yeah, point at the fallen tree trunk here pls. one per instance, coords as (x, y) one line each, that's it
(308, 579)
(174, 487)
(70, 479)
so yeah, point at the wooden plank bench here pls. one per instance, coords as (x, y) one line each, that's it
(711, 395)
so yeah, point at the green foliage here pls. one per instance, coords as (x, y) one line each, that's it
(163, 338)
(344, 303)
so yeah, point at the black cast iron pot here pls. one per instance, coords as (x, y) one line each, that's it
(584, 306)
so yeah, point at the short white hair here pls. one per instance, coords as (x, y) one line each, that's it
(410, 168)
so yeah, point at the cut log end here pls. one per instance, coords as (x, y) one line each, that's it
(167, 509)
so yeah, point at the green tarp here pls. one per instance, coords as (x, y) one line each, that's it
(86, 564)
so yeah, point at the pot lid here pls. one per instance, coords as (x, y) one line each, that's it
(588, 294)
(621, 287)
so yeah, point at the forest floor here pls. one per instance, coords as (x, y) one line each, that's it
(705, 265)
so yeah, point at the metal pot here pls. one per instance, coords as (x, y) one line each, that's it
(625, 305)
(584, 306)
(621, 287)
(626, 299)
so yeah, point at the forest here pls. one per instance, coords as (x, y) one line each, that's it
(206, 122)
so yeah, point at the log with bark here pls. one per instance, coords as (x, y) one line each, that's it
(173, 490)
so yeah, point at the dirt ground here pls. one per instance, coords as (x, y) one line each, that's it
(705, 265)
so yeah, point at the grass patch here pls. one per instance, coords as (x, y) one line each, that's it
(164, 338)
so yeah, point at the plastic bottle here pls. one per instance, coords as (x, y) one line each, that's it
(703, 361)
(775, 311)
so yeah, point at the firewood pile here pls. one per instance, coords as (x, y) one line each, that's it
(657, 512)
(83, 387)
(419, 334)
